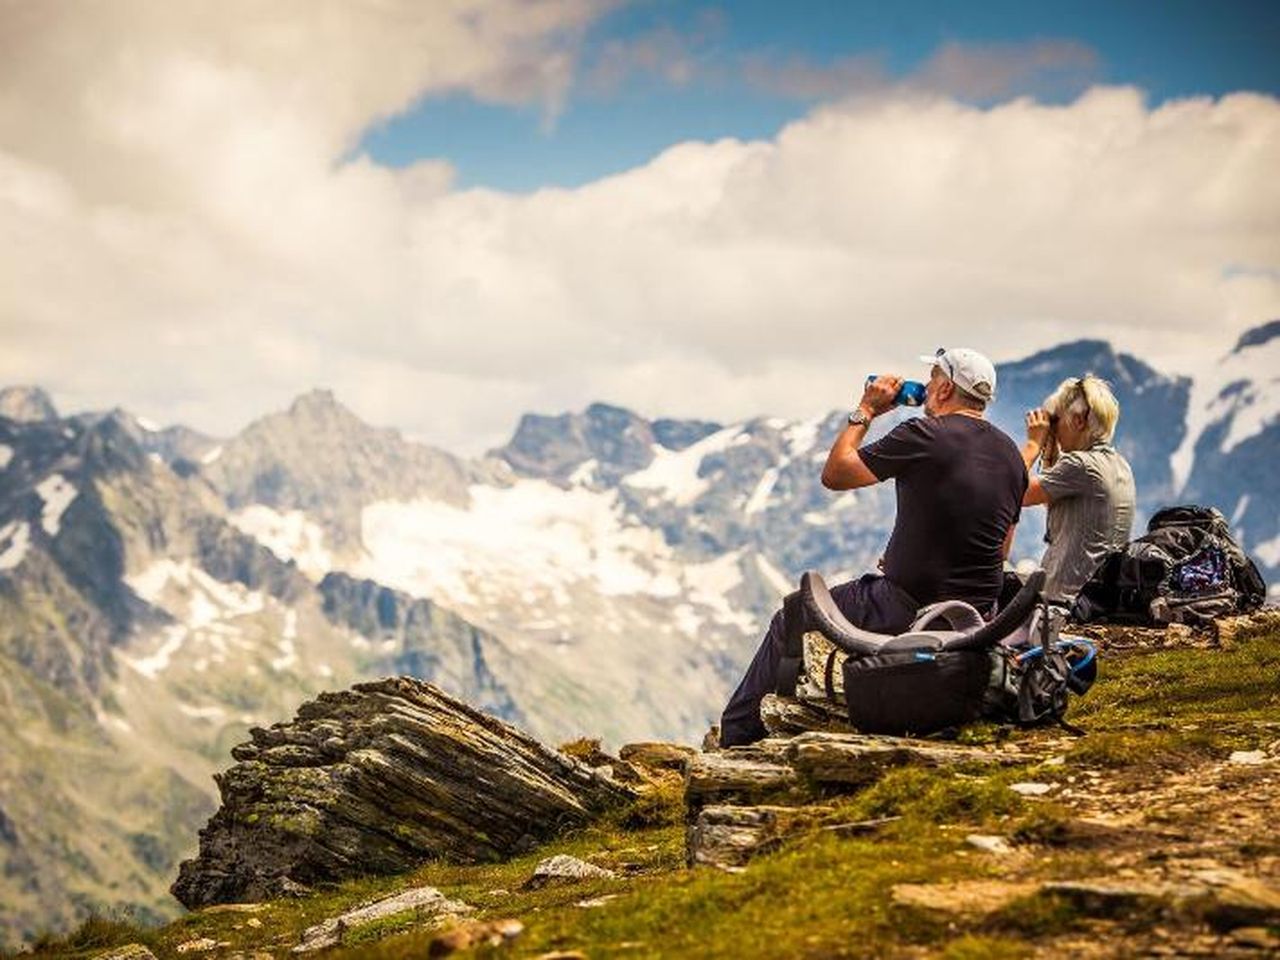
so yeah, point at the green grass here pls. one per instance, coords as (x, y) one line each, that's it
(823, 894)
(1171, 687)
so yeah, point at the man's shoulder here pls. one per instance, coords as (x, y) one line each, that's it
(980, 430)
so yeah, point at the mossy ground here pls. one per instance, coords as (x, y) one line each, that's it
(827, 894)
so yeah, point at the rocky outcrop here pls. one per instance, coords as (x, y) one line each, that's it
(745, 801)
(374, 780)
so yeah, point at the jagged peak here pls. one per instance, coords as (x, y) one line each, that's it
(320, 400)
(27, 403)
(1257, 336)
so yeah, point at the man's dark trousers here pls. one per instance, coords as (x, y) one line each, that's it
(871, 602)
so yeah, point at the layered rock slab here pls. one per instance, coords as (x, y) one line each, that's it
(375, 780)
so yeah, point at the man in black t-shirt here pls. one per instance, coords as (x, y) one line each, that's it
(959, 483)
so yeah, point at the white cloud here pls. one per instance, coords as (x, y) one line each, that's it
(183, 232)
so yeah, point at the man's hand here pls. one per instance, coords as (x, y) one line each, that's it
(1038, 427)
(879, 394)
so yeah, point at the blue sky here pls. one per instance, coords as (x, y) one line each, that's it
(651, 74)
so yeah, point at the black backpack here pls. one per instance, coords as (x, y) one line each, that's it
(1187, 568)
(951, 667)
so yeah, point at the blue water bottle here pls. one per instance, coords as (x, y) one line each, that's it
(910, 394)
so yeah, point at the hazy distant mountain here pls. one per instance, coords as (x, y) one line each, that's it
(141, 635)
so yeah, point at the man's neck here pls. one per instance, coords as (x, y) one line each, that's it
(964, 412)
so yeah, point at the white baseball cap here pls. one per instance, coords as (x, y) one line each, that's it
(967, 369)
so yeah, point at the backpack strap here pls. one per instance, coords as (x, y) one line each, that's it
(829, 674)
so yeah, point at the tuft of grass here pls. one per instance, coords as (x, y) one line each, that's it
(1150, 749)
(95, 933)
(660, 804)
(1168, 687)
(1036, 916)
(938, 796)
(1046, 823)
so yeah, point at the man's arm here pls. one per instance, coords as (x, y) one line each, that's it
(1008, 540)
(844, 469)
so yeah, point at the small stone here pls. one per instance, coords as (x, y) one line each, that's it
(1031, 789)
(1055, 761)
(426, 902)
(562, 869)
(253, 922)
(1249, 757)
(656, 755)
(197, 946)
(596, 901)
(962, 897)
(989, 844)
(562, 955)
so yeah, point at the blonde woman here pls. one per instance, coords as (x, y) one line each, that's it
(1086, 483)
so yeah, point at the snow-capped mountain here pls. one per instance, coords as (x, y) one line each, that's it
(601, 573)
(141, 635)
(1230, 454)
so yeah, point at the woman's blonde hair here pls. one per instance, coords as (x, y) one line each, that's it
(1087, 395)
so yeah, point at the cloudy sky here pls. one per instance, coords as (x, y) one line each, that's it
(455, 212)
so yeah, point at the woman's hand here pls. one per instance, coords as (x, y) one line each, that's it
(1038, 427)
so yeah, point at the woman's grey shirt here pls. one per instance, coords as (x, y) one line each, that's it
(1091, 503)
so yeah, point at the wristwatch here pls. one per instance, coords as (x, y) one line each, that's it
(859, 417)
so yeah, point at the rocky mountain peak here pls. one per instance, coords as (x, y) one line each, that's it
(619, 440)
(28, 404)
(554, 446)
(321, 406)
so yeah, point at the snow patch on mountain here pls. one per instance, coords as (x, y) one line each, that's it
(290, 536)
(773, 576)
(1269, 551)
(711, 583)
(15, 538)
(57, 495)
(211, 713)
(531, 534)
(149, 425)
(6, 454)
(674, 473)
(205, 610)
(584, 473)
(211, 456)
(288, 651)
(800, 437)
(1244, 387)
(759, 498)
